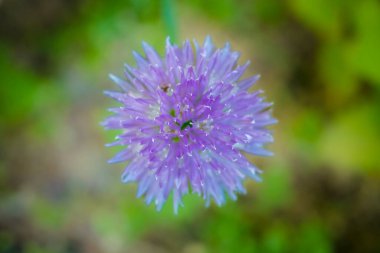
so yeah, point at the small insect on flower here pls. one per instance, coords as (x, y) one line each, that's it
(185, 120)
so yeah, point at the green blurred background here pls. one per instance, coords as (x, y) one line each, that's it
(320, 64)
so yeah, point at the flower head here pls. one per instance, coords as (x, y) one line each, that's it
(185, 120)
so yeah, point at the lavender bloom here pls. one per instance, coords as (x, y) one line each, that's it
(185, 120)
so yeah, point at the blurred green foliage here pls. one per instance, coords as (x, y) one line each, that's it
(320, 64)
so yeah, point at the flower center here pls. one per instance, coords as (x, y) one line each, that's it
(186, 124)
(183, 126)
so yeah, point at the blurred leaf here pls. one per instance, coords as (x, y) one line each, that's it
(112, 226)
(351, 139)
(6, 241)
(312, 238)
(48, 214)
(141, 217)
(33, 247)
(338, 78)
(268, 11)
(276, 191)
(228, 231)
(306, 127)
(323, 16)
(3, 180)
(169, 19)
(275, 240)
(17, 90)
(146, 10)
(363, 51)
(222, 10)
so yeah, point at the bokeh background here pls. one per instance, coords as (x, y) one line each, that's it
(320, 64)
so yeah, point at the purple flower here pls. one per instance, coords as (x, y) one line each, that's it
(185, 120)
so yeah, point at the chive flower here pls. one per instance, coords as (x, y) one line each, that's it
(187, 120)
